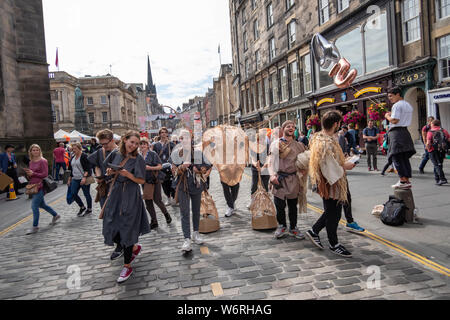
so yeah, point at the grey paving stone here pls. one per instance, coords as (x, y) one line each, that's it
(301, 288)
(287, 275)
(418, 278)
(412, 271)
(233, 284)
(348, 289)
(349, 266)
(271, 271)
(345, 281)
(323, 285)
(323, 277)
(255, 288)
(251, 296)
(262, 279)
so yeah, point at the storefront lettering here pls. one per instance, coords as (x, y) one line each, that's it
(366, 90)
(324, 100)
(442, 96)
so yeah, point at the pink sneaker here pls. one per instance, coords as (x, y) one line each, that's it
(125, 274)
(136, 252)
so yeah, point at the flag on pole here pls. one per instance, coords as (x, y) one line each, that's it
(57, 60)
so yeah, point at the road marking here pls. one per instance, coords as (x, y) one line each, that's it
(216, 289)
(416, 257)
(204, 250)
(26, 219)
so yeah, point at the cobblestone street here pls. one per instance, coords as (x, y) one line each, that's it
(234, 263)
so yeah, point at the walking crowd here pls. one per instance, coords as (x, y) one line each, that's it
(131, 176)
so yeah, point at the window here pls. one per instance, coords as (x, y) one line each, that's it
(90, 101)
(284, 84)
(324, 11)
(444, 57)
(295, 80)
(376, 43)
(243, 16)
(258, 59)
(411, 20)
(274, 87)
(103, 100)
(254, 98)
(105, 117)
(260, 94)
(350, 46)
(245, 41)
(342, 5)
(256, 29)
(269, 16)
(247, 68)
(291, 33)
(253, 4)
(91, 117)
(443, 8)
(53, 114)
(307, 80)
(266, 91)
(272, 51)
(289, 4)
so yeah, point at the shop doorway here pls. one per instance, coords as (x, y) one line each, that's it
(416, 97)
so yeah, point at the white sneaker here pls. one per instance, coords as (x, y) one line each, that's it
(400, 185)
(197, 238)
(186, 247)
(229, 212)
(167, 203)
(33, 230)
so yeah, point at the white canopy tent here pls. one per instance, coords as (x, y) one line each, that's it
(60, 135)
(79, 136)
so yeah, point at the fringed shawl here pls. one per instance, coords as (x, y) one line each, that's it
(322, 146)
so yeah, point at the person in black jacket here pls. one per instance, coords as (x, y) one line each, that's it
(80, 170)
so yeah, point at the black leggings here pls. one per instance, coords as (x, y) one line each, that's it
(167, 188)
(329, 220)
(280, 204)
(127, 251)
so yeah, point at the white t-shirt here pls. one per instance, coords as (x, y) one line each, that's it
(402, 111)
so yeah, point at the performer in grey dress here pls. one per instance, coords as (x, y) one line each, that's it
(192, 171)
(125, 217)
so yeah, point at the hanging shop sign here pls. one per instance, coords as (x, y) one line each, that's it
(367, 90)
(410, 77)
(325, 100)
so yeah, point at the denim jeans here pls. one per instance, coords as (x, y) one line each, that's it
(75, 187)
(39, 202)
(58, 166)
(438, 160)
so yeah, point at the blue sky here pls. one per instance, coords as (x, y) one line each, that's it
(180, 36)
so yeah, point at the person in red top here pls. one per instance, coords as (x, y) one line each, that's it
(60, 162)
(426, 155)
(436, 142)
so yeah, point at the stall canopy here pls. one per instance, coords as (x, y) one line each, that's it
(61, 135)
(78, 136)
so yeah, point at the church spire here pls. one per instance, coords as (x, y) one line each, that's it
(150, 88)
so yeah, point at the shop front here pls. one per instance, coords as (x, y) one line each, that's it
(358, 97)
(439, 105)
(415, 81)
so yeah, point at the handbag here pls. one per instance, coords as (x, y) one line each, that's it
(49, 184)
(149, 190)
(31, 189)
(89, 180)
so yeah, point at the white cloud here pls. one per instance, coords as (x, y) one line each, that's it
(181, 37)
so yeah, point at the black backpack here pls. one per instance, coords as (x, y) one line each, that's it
(439, 141)
(394, 212)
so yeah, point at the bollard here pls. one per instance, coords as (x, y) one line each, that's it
(408, 199)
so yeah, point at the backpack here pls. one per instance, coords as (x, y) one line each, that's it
(394, 212)
(439, 140)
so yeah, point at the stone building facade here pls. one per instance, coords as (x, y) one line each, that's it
(108, 102)
(389, 42)
(225, 98)
(25, 107)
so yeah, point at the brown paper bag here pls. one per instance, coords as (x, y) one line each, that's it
(209, 217)
(5, 181)
(262, 209)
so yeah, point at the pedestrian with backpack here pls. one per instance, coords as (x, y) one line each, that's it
(437, 145)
